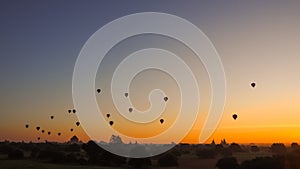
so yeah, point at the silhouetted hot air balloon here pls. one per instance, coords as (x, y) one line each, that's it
(161, 121)
(126, 94)
(98, 90)
(38, 128)
(71, 130)
(77, 123)
(111, 123)
(107, 115)
(38, 138)
(49, 132)
(130, 109)
(74, 111)
(69, 111)
(166, 99)
(234, 116)
(253, 84)
(43, 131)
(58, 134)
(26, 125)
(51, 117)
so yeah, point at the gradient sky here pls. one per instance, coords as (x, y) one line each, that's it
(256, 40)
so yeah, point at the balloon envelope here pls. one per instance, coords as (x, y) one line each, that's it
(130, 109)
(77, 123)
(37, 128)
(107, 115)
(111, 123)
(71, 130)
(234, 116)
(74, 111)
(43, 131)
(49, 132)
(69, 111)
(52, 117)
(166, 99)
(253, 84)
(98, 90)
(161, 121)
(126, 94)
(26, 125)
(58, 134)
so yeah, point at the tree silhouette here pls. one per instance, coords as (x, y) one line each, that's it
(262, 163)
(278, 148)
(227, 163)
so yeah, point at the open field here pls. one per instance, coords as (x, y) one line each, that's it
(28, 164)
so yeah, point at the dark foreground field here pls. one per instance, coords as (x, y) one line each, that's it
(183, 156)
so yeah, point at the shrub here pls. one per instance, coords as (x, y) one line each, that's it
(262, 163)
(227, 163)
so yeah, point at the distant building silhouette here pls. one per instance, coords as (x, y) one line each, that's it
(213, 142)
(223, 142)
(74, 139)
(115, 140)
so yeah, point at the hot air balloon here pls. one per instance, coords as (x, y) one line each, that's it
(77, 123)
(69, 111)
(161, 121)
(71, 130)
(234, 116)
(58, 134)
(43, 131)
(38, 138)
(126, 94)
(26, 125)
(51, 117)
(253, 84)
(130, 109)
(74, 111)
(111, 123)
(38, 128)
(166, 99)
(49, 132)
(98, 90)
(107, 115)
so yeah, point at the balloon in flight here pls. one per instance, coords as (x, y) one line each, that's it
(234, 116)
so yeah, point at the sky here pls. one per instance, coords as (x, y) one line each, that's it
(257, 41)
